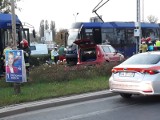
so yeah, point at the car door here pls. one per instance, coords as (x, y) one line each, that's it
(86, 52)
(114, 55)
(109, 52)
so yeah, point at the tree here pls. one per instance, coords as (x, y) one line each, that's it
(152, 19)
(61, 37)
(41, 29)
(52, 28)
(46, 25)
(5, 6)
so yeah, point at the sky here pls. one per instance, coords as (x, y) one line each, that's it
(64, 12)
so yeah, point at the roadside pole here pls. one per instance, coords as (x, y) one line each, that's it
(138, 25)
(13, 24)
(17, 89)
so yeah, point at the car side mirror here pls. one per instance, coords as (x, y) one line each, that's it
(115, 52)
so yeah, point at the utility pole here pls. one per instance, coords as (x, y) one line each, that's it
(138, 25)
(142, 10)
(13, 23)
(17, 89)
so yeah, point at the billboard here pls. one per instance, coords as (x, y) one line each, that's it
(15, 66)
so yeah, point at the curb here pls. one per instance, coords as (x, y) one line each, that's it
(32, 106)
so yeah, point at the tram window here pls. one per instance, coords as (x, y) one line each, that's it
(7, 36)
(120, 36)
(130, 36)
(153, 33)
(107, 35)
(88, 34)
(88, 30)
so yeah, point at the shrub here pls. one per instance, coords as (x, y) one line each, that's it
(60, 73)
(50, 73)
(36, 60)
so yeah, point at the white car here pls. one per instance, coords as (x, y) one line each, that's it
(139, 74)
(39, 49)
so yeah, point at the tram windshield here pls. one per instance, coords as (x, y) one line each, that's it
(73, 35)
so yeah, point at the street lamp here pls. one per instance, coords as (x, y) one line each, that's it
(75, 16)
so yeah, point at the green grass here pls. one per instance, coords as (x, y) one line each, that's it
(39, 91)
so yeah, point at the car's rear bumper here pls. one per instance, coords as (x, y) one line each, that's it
(135, 92)
(143, 88)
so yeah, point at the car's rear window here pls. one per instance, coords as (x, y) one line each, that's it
(143, 59)
(32, 47)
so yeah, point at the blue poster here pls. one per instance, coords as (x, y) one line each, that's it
(15, 66)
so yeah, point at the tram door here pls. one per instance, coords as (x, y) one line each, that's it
(97, 35)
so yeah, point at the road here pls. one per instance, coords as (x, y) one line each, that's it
(111, 108)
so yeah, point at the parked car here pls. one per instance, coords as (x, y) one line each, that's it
(91, 53)
(39, 49)
(138, 75)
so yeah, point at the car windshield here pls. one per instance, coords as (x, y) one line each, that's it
(143, 59)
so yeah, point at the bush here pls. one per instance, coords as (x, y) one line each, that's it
(60, 73)
(37, 60)
(3, 83)
(50, 73)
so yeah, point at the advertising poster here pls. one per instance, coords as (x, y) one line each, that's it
(15, 66)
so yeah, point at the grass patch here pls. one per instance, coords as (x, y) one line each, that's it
(51, 81)
(54, 89)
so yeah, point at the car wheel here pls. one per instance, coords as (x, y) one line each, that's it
(125, 95)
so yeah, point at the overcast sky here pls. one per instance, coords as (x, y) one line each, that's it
(63, 12)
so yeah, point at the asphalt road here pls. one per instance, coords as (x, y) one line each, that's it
(110, 108)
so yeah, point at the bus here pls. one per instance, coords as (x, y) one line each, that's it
(121, 35)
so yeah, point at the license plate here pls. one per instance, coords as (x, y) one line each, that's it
(126, 74)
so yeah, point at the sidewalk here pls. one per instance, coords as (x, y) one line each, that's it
(31, 106)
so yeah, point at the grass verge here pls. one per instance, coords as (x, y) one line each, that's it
(41, 91)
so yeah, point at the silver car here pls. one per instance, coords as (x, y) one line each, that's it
(139, 74)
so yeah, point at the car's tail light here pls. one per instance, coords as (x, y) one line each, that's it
(151, 72)
(141, 70)
(114, 71)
